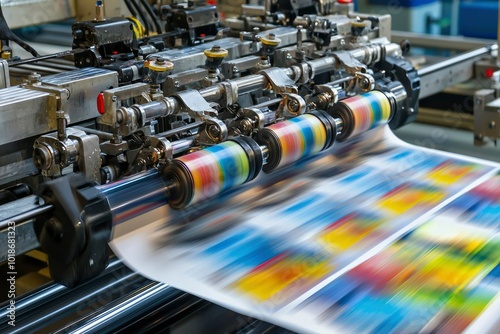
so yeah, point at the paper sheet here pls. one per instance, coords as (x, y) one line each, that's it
(374, 235)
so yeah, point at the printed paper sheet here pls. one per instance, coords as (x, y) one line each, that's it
(374, 235)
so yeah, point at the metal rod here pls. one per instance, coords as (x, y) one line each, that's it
(484, 51)
(144, 300)
(437, 77)
(51, 291)
(458, 43)
(180, 129)
(67, 302)
(267, 103)
(100, 134)
(183, 145)
(53, 55)
(25, 216)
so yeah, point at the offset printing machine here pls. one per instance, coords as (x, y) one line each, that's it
(148, 94)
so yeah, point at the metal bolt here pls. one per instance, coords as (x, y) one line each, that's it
(322, 99)
(293, 105)
(299, 37)
(42, 157)
(271, 36)
(246, 125)
(177, 84)
(215, 48)
(214, 131)
(34, 77)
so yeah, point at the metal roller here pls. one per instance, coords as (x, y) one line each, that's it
(203, 174)
(297, 138)
(363, 112)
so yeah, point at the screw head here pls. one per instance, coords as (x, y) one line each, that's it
(214, 131)
(293, 105)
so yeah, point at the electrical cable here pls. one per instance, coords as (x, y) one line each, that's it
(142, 16)
(7, 34)
(130, 8)
(151, 13)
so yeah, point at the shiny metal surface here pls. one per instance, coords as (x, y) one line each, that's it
(52, 305)
(149, 189)
(145, 299)
(434, 78)
(24, 113)
(84, 85)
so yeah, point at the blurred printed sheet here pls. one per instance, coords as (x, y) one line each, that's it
(373, 236)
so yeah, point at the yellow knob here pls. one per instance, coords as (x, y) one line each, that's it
(270, 40)
(216, 52)
(159, 65)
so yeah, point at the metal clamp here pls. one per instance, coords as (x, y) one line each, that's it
(279, 80)
(192, 102)
(112, 98)
(351, 64)
(231, 93)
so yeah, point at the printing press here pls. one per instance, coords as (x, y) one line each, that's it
(151, 105)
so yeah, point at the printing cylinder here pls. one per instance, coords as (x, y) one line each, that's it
(363, 112)
(203, 174)
(136, 195)
(297, 138)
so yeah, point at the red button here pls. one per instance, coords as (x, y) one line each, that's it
(100, 104)
(489, 72)
(344, 1)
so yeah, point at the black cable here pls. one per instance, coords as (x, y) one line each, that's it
(130, 8)
(143, 17)
(151, 13)
(6, 33)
